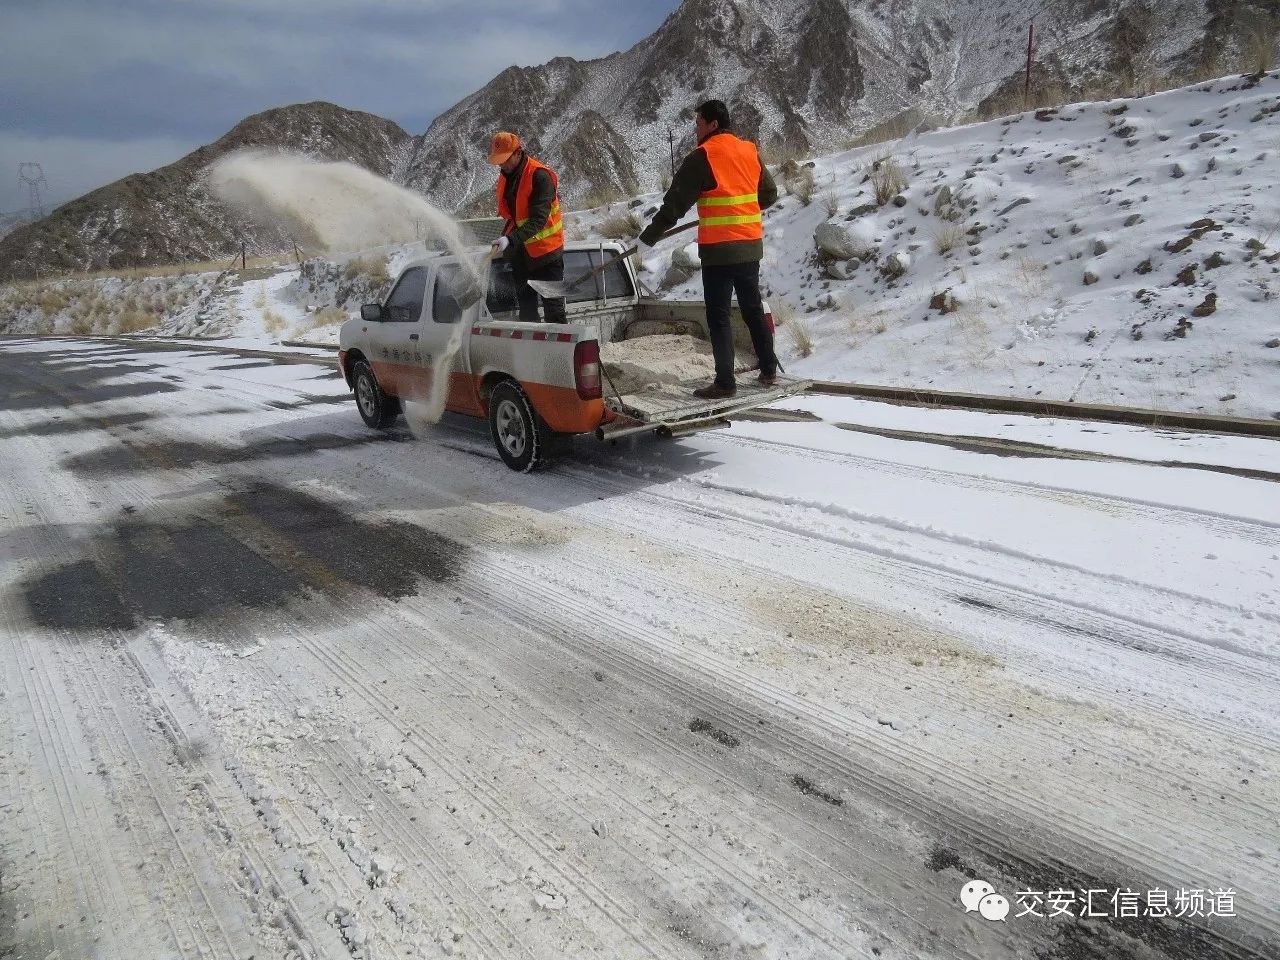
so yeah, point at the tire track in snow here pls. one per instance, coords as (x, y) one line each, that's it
(974, 787)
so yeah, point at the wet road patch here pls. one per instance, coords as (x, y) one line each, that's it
(26, 393)
(59, 427)
(309, 400)
(254, 552)
(388, 558)
(130, 457)
(76, 597)
(244, 365)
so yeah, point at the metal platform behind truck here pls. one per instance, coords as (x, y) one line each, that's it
(672, 409)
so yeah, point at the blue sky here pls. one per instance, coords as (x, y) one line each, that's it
(95, 91)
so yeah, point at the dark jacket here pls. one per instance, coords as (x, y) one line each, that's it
(541, 196)
(692, 180)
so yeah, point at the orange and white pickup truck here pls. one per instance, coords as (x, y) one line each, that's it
(534, 382)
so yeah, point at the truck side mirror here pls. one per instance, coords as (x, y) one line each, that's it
(371, 312)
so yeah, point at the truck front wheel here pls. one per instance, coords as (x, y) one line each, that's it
(522, 438)
(376, 408)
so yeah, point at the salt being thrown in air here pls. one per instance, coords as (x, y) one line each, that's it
(342, 207)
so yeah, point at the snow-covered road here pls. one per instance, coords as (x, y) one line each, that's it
(277, 686)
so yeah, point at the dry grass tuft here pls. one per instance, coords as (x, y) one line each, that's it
(272, 322)
(887, 178)
(375, 268)
(1258, 50)
(947, 237)
(621, 226)
(801, 337)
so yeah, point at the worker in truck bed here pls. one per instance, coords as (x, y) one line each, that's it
(532, 234)
(725, 177)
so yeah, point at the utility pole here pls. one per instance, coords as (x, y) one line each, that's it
(671, 148)
(1026, 87)
(32, 174)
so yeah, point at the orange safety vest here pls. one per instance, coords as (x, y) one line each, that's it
(732, 210)
(551, 237)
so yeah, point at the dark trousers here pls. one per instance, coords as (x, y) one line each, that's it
(528, 300)
(718, 287)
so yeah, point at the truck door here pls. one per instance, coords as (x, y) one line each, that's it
(395, 341)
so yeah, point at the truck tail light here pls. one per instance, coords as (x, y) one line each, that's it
(768, 317)
(586, 369)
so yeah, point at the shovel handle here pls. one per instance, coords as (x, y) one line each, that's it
(630, 251)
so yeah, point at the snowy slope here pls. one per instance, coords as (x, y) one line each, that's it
(1131, 193)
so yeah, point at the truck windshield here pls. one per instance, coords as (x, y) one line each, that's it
(615, 281)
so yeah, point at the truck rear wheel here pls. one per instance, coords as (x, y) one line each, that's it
(522, 438)
(376, 408)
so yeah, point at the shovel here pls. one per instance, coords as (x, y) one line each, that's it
(557, 289)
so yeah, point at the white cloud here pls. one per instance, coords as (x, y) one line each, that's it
(97, 91)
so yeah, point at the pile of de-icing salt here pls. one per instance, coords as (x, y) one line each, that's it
(648, 364)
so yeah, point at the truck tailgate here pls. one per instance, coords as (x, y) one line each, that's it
(674, 408)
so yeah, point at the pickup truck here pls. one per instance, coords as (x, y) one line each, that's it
(534, 382)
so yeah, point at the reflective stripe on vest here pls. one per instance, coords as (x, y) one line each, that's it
(732, 210)
(551, 237)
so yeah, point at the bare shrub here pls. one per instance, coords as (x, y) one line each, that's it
(947, 237)
(327, 316)
(1031, 278)
(272, 322)
(864, 326)
(799, 183)
(795, 328)
(602, 195)
(51, 300)
(973, 334)
(620, 226)
(887, 178)
(131, 321)
(783, 154)
(894, 128)
(800, 335)
(1001, 105)
(1050, 95)
(375, 268)
(1258, 49)
(324, 317)
(830, 199)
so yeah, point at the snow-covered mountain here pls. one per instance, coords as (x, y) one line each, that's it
(168, 215)
(809, 74)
